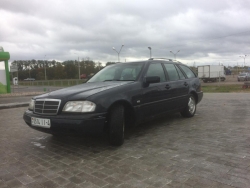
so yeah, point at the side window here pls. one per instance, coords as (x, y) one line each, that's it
(172, 72)
(182, 77)
(188, 72)
(155, 69)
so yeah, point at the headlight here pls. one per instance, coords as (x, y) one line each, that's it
(31, 104)
(79, 106)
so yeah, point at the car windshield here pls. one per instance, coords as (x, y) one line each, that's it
(243, 74)
(118, 72)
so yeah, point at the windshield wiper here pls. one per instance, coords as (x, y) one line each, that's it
(117, 80)
(111, 80)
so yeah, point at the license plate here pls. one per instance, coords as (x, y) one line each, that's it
(40, 122)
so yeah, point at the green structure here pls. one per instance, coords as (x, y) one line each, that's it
(4, 77)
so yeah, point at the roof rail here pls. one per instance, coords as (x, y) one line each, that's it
(160, 58)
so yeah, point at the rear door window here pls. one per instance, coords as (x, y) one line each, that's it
(188, 71)
(172, 72)
(181, 75)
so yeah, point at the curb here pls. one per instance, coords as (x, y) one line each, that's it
(13, 105)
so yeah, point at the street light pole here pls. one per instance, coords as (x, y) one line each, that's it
(174, 54)
(17, 70)
(78, 67)
(243, 56)
(150, 51)
(118, 53)
(45, 68)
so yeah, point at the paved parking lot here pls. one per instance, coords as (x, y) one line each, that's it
(211, 149)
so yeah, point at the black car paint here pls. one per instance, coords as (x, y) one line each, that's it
(143, 101)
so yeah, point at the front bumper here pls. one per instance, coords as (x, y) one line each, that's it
(200, 96)
(69, 123)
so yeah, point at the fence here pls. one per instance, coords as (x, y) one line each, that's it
(60, 83)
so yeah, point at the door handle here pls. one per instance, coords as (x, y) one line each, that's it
(167, 86)
(185, 84)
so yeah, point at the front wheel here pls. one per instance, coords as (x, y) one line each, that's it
(116, 124)
(190, 109)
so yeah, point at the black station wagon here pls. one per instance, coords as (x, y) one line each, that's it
(118, 96)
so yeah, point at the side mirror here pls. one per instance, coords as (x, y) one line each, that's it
(151, 79)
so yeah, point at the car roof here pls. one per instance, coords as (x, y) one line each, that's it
(153, 60)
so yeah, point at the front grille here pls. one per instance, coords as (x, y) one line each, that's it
(47, 106)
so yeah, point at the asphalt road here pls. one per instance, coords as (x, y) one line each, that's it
(209, 150)
(25, 91)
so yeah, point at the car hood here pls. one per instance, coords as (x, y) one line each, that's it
(82, 91)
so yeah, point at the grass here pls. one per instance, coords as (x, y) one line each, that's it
(3, 88)
(224, 89)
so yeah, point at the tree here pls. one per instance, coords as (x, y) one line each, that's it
(70, 69)
(110, 63)
(59, 72)
(55, 70)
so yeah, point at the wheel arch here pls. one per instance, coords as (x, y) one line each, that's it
(130, 117)
(195, 96)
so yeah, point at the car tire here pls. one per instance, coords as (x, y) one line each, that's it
(190, 109)
(116, 124)
(56, 134)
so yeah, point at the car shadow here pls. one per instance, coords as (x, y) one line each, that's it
(97, 142)
(151, 125)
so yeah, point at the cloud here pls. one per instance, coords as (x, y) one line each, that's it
(204, 31)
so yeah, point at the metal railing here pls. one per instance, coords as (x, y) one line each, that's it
(60, 83)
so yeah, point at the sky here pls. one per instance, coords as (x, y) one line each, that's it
(198, 32)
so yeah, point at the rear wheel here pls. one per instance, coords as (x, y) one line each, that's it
(116, 125)
(190, 109)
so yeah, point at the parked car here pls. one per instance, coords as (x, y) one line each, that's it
(83, 76)
(243, 77)
(29, 79)
(118, 96)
